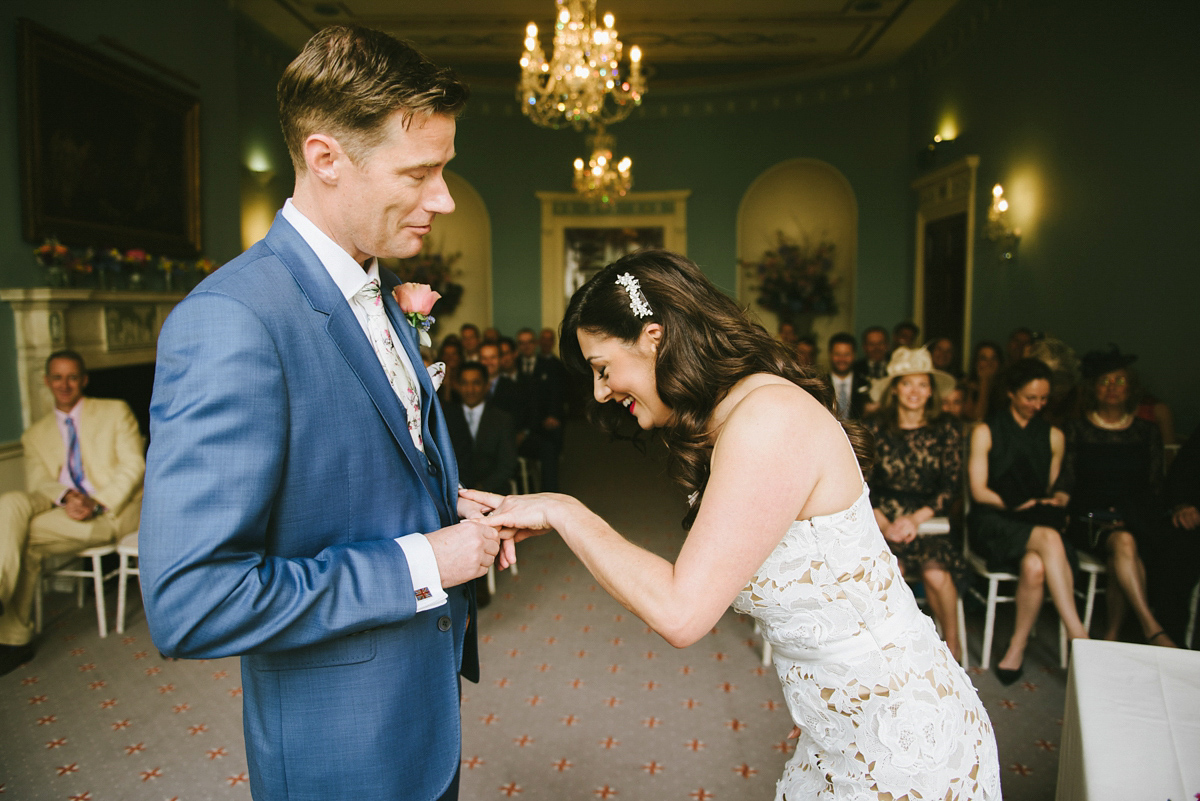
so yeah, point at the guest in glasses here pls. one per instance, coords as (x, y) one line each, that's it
(1114, 470)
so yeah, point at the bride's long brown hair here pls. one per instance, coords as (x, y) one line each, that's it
(708, 344)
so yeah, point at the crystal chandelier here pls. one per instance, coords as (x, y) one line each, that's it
(582, 84)
(601, 179)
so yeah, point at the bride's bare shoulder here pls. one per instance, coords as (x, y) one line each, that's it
(769, 403)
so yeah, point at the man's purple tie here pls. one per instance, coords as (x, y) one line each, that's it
(74, 457)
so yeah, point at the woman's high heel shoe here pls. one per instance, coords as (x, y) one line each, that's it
(1008, 677)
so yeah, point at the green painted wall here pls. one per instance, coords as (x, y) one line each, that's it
(698, 144)
(1093, 108)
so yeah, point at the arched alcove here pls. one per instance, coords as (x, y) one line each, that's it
(807, 201)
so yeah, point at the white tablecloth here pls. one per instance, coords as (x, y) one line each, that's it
(1132, 724)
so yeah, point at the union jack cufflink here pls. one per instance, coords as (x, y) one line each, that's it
(423, 593)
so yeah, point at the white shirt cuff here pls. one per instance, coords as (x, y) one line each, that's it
(423, 569)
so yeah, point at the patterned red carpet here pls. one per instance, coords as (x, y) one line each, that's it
(578, 699)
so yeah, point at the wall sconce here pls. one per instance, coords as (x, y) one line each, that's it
(261, 176)
(999, 230)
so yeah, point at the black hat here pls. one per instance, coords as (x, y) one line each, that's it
(1097, 362)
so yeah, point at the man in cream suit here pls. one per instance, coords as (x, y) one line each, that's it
(302, 505)
(83, 476)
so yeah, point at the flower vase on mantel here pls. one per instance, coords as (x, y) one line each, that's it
(56, 277)
(135, 280)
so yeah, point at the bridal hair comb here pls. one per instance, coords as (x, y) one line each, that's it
(637, 301)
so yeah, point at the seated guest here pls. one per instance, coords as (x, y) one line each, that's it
(84, 465)
(450, 354)
(491, 334)
(1016, 517)
(787, 333)
(982, 380)
(943, 353)
(542, 385)
(851, 390)
(1114, 470)
(484, 442)
(917, 475)
(1018, 344)
(1063, 403)
(483, 436)
(873, 364)
(468, 334)
(508, 357)
(806, 351)
(502, 392)
(953, 402)
(905, 334)
(1174, 566)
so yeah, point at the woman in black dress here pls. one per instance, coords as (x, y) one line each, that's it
(1016, 516)
(917, 475)
(1114, 468)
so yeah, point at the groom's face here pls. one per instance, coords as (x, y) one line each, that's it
(387, 199)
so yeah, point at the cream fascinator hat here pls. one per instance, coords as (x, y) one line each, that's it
(911, 361)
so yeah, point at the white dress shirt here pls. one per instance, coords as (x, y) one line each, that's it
(350, 277)
(473, 416)
(841, 391)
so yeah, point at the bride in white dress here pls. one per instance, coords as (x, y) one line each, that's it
(780, 527)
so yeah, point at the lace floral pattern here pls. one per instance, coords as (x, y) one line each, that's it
(883, 708)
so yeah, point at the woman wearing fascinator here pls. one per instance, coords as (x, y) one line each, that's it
(917, 475)
(780, 527)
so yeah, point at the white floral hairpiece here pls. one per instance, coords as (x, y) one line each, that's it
(637, 301)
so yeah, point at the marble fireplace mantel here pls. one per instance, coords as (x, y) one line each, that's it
(108, 328)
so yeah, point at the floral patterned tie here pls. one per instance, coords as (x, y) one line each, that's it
(370, 300)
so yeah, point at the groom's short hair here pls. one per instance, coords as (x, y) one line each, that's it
(347, 82)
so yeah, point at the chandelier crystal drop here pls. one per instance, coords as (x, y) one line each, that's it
(582, 84)
(601, 178)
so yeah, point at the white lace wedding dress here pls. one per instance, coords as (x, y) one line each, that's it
(884, 710)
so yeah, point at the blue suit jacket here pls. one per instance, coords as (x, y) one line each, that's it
(279, 472)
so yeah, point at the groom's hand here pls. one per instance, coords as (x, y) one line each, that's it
(464, 551)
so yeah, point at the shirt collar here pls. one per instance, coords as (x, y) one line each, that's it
(345, 271)
(75, 414)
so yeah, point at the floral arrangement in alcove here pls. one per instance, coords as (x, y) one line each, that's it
(794, 279)
(435, 269)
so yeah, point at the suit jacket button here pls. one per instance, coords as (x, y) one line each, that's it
(444, 623)
(433, 469)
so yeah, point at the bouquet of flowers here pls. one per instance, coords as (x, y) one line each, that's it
(794, 279)
(60, 260)
(435, 270)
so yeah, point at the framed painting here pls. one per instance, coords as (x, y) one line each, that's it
(110, 156)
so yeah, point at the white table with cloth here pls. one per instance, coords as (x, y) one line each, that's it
(1131, 729)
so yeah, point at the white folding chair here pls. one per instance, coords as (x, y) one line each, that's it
(994, 577)
(1093, 569)
(941, 525)
(75, 566)
(127, 550)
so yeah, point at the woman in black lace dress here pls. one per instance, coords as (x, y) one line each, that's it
(918, 475)
(1114, 469)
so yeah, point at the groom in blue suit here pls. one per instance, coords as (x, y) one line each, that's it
(301, 504)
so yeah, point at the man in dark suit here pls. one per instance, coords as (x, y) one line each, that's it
(851, 390)
(301, 505)
(502, 392)
(485, 443)
(541, 380)
(874, 362)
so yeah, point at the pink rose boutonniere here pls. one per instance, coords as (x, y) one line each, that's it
(416, 301)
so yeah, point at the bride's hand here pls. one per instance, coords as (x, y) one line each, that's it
(794, 733)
